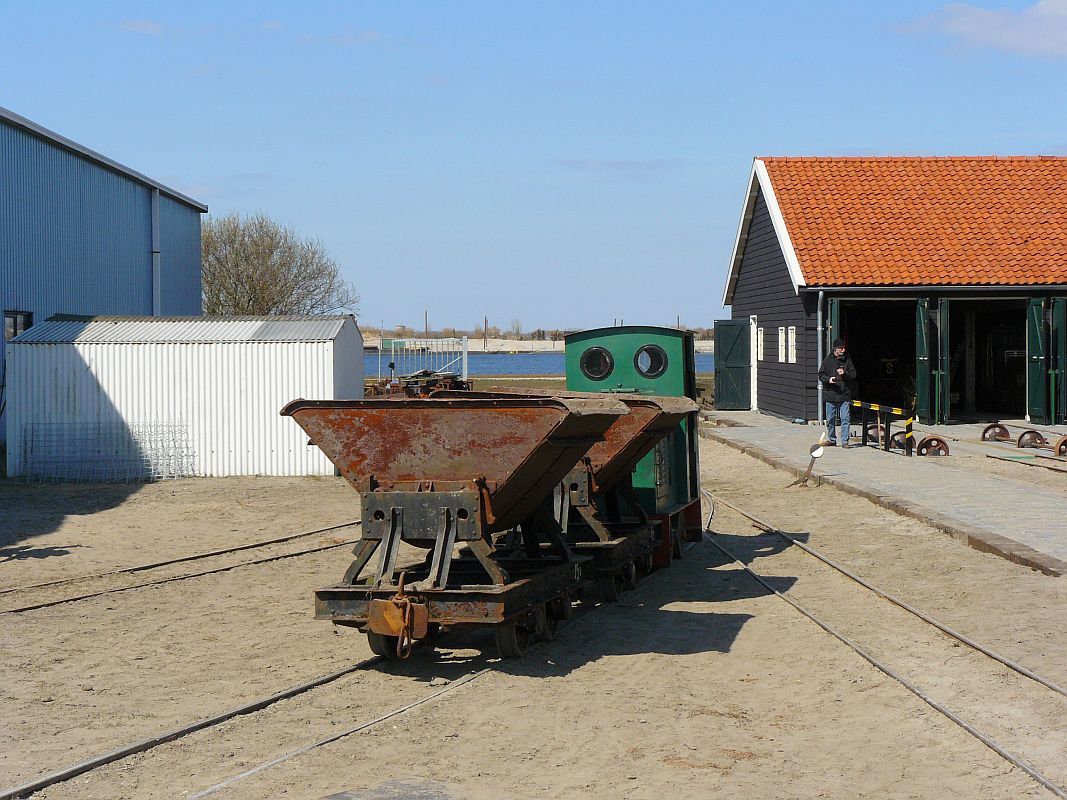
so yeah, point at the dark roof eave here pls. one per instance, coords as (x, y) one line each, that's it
(935, 287)
(68, 144)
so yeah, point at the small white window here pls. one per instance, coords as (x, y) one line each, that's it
(792, 344)
(781, 345)
(759, 344)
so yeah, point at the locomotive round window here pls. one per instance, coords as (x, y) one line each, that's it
(651, 361)
(596, 363)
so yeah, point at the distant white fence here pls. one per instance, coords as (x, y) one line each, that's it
(403, 357)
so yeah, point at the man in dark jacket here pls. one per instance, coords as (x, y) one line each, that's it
(838, 377)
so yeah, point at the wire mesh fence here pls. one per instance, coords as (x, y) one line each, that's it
(107, 452)
(405, 357)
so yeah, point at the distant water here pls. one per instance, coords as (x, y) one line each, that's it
(513, 364)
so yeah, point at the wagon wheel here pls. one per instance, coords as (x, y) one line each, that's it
(875, 432)
(544, 623)
(995, 433)
(897, 440)
(1031, 439)
(383, 645)
(646, 563)
(1060, 448)
(629, 575)
(560, 608)
(932, 446)
(608, 587)
(677, 534)
(512, 639)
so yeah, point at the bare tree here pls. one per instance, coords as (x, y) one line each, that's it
(257, 266)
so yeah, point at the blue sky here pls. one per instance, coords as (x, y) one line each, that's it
(565, 164)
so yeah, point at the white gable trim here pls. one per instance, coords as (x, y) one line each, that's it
(758, 181)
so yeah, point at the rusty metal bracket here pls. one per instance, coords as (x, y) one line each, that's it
(598, 527)
(363, 551)
(550, 528)
(483, 551)
(391, 542)
(442, 552)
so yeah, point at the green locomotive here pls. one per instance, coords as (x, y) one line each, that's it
(655, 361)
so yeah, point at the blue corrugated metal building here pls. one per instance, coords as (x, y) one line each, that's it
(82, 234)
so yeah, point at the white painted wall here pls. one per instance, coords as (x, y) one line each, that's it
(227, 393)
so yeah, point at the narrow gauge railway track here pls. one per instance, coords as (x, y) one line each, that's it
(1014, 759)
(143, 745)
(580, 615)
(19, 609)
(1026, 462)
(180, 560)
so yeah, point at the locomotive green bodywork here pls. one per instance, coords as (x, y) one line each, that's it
(645, 360)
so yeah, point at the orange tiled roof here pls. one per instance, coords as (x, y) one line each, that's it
(925, 221)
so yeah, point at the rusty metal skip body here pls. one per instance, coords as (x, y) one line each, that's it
(446, 473)
(596, 505)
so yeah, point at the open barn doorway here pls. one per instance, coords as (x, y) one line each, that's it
(987, 365)
(975, 353)
(880, 337)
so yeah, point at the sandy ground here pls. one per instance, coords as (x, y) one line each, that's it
(698, 684)
(54, 531)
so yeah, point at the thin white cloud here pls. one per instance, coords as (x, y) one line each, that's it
(360, 37)
(273, 25)
(145, 26)
(1037, 30)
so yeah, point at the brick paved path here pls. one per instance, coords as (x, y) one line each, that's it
(1019, 521)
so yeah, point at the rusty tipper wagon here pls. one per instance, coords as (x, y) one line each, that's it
(469, 481)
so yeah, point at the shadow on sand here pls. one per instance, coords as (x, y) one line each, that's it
(653, 619)
(29, 510)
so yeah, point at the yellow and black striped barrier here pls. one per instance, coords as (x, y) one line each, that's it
(883, 416)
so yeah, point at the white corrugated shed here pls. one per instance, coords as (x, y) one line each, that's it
(215, 384)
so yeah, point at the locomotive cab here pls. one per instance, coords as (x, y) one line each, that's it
(654, 361)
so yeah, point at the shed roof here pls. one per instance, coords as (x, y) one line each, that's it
(915, 221)
(11, 117)
(67, 329)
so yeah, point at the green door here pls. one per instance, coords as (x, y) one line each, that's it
(1058, 358)
(1037, 366)
(732, 365)
(833, 329)
(922, 359)
(943, 383)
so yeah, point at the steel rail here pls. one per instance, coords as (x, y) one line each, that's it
(572, 623)
(27, 789)
(1013, 665)
(1033, 772)
(82, 767)
(196, 557)
(1022, 460)
(162, 581)
(341, 735)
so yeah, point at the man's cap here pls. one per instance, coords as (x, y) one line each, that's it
(838, 343)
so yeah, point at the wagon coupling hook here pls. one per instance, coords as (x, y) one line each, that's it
(406, 638)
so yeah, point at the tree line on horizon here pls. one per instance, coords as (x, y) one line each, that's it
(255, 266)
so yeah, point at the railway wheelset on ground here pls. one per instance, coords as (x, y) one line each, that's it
(501, 508)
(998, 432)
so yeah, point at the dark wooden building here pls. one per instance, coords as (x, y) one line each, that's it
(947, 278)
